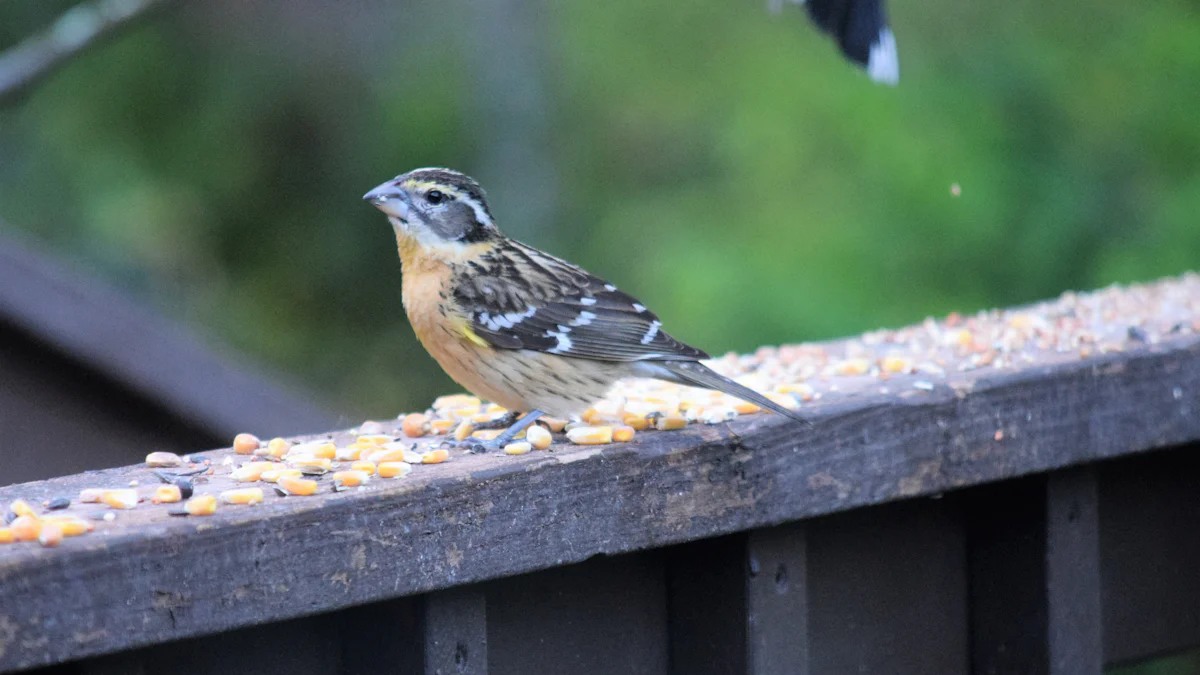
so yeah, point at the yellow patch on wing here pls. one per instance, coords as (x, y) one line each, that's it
(465, 329)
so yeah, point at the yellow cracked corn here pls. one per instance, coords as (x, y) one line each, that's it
(202, 505)
(440, 426)
(26, 528)
(247, 496)
(538, 437)
(245, 444)
(167, 494)
(300, 487)
(21, 508)
(414, 425)
(278, 447)
(352, 478)
(518, 448)
(50, 536)
(90, 495)
(670, 422)
(622, 434)
(463, 430)
(119, 499)
(393, 469)
(6, 535)
(273, 475)
(435, 456)
(163, 460)
(590, 435)
(71, 526)
(366, 467)
(311, 462)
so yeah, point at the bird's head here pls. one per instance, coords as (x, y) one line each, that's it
(435, 207)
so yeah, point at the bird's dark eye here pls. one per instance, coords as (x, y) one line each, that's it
(435, 197)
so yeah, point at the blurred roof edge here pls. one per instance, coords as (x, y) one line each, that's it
(104, 330)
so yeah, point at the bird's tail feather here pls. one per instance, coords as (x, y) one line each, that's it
(699, 375)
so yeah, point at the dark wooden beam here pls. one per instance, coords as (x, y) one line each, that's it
(152, 578)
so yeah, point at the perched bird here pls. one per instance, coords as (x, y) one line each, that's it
(522, 328)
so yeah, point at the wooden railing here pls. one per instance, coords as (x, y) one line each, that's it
(1042, 517)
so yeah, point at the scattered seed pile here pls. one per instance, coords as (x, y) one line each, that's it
(917, 358)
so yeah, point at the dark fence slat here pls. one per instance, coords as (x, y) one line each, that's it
(777, 601)
(456, 632)
(605, 616)
(887, 590)
(1007, 578)
(1075, 631)
(1150, 554)
(706, 583)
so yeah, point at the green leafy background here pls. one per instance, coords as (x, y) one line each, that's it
(720, 161)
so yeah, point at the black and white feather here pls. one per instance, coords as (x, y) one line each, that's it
(521, 298)
(861, 30)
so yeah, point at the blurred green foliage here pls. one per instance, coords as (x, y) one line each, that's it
(719, 161)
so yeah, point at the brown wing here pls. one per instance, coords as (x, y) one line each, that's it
(520, 298)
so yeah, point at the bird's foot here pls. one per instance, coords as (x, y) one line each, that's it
(503, 422)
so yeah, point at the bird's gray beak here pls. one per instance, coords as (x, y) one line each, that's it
(390, 199)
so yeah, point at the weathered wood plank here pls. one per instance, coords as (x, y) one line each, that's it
(485, 517)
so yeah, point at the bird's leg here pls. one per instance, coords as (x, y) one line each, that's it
(519, 426)
(476, 445)
(504, 421)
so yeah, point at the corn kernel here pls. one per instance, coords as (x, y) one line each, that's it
(538, 437)
(245, 444)
(587, 415)
(372, 439)
(71, 526)
(463, 430)
(203, 505)
(311, 462)
(119, 499)
(801, 389)
(439, 427)
(456, 401)
(435, 456)
(348, 454)
(318, 449)
(163, 460)
(7, 536)
(300, 487)
(366, 467)
(273, 475)
(251, 471)
(590, 435)
(50, 536)
(90, 495)
(487, 434)
(553, 423)
(481, 418)
(670, 422)
(414, 425)
(394, 469)
(637, 422)
(247, 496)
(350, 478)
(26, 528)
(278, 447)
(167, 494)
(622, 434)
(518, 448)
(855, 366)
(495, 409)
(745, 408)
(896, 364)
(392, 455)
(21, 508)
